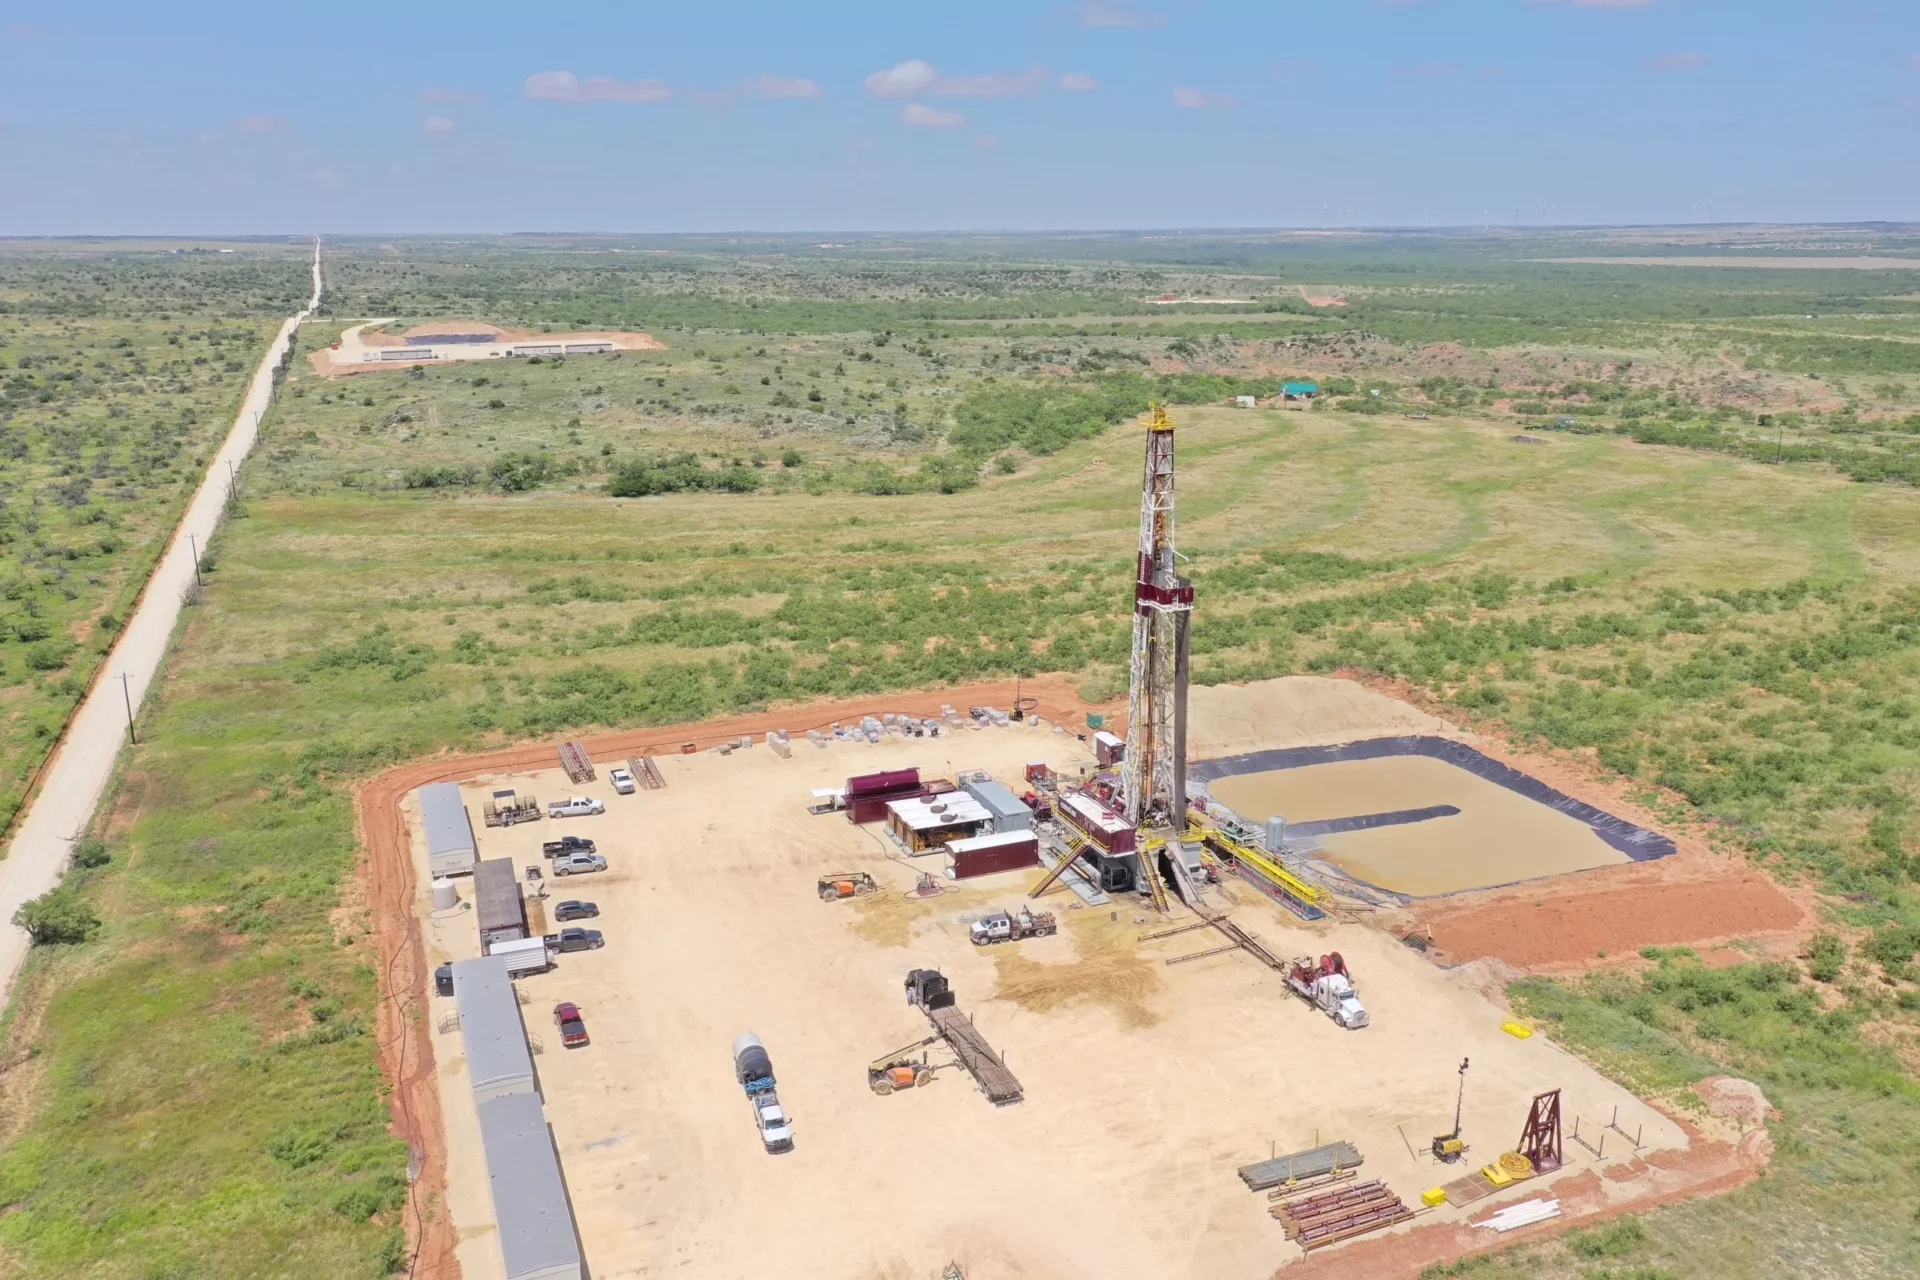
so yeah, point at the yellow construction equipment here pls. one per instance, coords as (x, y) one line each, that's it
(1265, 864)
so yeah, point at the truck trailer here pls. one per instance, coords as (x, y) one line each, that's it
(1328, 987)
(754, 1070)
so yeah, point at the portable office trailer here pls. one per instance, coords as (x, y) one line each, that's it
(498, 907)
(1108, 749)
(451, 850)
(1002, 851)
(1008, 811)
(491, 1032)
(538, 1237)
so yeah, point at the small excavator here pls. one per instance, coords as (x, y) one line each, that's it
(1447, 1148)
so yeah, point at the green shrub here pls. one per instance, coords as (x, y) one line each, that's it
(57, 918)
(49, 655)
(1826, 957)
(90, 851)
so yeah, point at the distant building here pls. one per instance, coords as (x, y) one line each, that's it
(1245, 402)
(1299, 390)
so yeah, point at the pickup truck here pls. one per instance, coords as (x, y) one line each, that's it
(576, 940)
(567, 844)
(622, 781)
(572, 864)
(573, 1028)
(576, 807)
(754, 1070)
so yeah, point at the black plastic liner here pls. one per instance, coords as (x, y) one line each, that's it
(1368, 821)
(1629, 838)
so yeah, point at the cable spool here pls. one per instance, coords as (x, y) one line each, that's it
(1516, 1164)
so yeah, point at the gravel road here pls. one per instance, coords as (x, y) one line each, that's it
(76, 778)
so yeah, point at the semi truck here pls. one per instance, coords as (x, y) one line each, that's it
(754, 1070)
(1328, 986)
(1003, 926)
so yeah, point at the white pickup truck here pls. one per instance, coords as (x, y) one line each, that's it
(576, 807)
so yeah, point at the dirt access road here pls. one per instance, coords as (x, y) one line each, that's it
(77, 775)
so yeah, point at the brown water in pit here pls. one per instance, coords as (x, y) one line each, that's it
(1498, 837)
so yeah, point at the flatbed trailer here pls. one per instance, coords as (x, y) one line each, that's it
(927, 990)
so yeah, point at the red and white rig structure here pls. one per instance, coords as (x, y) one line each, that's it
(1154, 771)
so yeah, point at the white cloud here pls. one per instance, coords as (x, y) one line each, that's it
(782, 87)
(1680, 60)
(992, 84)
(1078, 82)
(438, 124)
(262, 124)
(925, 117)
(1190, 98)
(901, 80)
(564, 86)
(1117, 13)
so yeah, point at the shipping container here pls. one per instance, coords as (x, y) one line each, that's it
(985, 855)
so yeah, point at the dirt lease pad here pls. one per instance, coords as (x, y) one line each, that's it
(1423, 815)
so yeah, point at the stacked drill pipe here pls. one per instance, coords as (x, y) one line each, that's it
(1312, 1163)
(1287, 1190)
(1328, 1217)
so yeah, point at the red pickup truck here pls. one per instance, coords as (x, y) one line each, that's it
(573, 1028)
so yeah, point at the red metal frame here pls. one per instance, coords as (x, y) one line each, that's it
(1540, 1140)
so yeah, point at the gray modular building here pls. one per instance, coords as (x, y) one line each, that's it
(538, 1239)
(451, 850)
(1008, 811)
(499, 909)
(498, 1063)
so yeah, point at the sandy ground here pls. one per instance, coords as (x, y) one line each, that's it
(355, 341)
(70, 786)
(1146, 1084)
(1498, 837)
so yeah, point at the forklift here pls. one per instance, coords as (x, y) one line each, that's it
(1448, 1148)
(899, 1069)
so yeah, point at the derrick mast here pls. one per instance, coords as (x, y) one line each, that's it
(1153, 774)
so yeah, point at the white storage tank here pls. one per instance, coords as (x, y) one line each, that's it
(446, 894)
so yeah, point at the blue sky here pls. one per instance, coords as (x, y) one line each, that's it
(443, 115)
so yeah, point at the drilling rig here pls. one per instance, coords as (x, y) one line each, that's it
(1154, 771)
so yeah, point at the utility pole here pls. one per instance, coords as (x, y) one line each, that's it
(196, 559)
(128, 699)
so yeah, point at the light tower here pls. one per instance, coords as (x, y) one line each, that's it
(1153, 774)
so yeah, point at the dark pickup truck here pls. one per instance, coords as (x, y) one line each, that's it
(575, 940)
(567, 844)
(573, 1028)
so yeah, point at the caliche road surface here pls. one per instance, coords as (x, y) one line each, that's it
(76, 778)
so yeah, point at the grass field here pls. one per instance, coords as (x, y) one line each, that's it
(194, 1091)
(118, 375)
